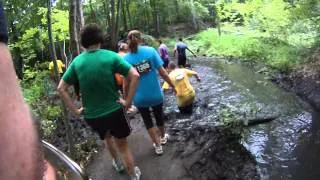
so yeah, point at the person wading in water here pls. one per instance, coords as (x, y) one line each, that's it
(181, 48)
(163, 51)
(185, 92)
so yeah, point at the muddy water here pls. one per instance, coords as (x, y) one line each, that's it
(285, 148)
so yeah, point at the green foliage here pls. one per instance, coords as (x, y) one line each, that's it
(36, 38)
(60, 24)
(36, 87)
(248, 45)
(49, 116)
(231, 120)
(270, 15)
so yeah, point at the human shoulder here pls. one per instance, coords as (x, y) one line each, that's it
(147, 48)
(109, 52)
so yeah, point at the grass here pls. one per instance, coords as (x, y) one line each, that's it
(281, 53)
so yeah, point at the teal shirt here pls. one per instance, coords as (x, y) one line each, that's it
(149, 92)
(95, 72)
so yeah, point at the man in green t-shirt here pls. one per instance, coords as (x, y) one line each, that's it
(103, 110)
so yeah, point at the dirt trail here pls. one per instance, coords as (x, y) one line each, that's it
(152, 166)
(196, 153)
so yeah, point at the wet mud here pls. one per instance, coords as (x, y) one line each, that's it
(307, 87)
(213, 153)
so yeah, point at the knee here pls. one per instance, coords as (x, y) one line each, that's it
(108, 137)
(122, 144)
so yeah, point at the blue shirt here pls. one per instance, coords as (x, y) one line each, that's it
(148, 92)
(181, 48)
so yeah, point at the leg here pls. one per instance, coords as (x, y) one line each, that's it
(102, 127)
(146, 116)
(153, 133)
(158, 113)
(123, 147)
(186, 109)
(111, 146)
(180, 63)
(184, 60)
(120, 129)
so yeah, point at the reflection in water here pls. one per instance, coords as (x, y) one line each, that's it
(284, 148)
(307, 152)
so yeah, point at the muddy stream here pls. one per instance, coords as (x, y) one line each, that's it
(285, 148)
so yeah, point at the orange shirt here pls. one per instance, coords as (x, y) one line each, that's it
(118, 77)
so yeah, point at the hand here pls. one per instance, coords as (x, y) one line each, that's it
(79, 112)
(124, 103)
(174, 90)
(198, 79)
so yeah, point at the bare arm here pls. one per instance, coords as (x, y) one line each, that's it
(125, 87)
(191, 51)
(174, 52)
(197, 76)
(63, 91)
(163, 73)
(132, 79)
(20, 155)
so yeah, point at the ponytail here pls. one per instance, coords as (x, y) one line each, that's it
(134, 37)
(133, 46)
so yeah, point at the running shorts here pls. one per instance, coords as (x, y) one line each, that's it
(115, 124)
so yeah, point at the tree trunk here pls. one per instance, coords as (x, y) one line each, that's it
(194, 16)
(128, 13)
(118, 21)
(145, 14)
(74, 47)
(79, 21)
(54, 59)
(93, 13)
(217, 19)
(176, 4)
(154, 7)
(113, 25)
(51, 43)
(80, 18)
(124, 16)
(107, 12)
(62, 45)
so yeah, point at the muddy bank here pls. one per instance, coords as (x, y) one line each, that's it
(213, 153)
(304, 85)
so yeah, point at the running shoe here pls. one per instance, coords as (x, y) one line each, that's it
(164, 140)
(132, 110)
(137, 174)
(118, 166)
(158, 149)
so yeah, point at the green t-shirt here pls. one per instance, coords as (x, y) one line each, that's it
(95, 72)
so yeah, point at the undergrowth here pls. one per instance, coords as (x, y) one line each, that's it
(247, 45)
